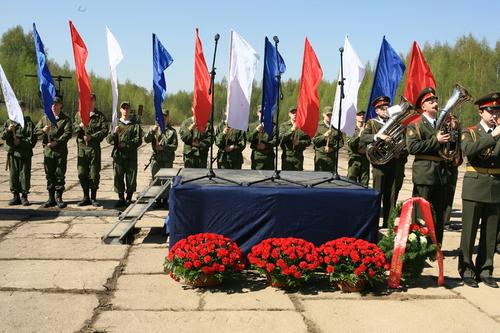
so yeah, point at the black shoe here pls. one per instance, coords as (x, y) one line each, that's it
(470, 281)
(60, 203)
(129, 198)
(489, 281)
(96, 203)
(51, 202)
(24, 200)
(93, 197)
(84, 202)
(16, 200)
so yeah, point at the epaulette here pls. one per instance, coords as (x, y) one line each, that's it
(416, 120)
(473, 127)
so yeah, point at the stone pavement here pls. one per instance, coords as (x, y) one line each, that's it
(57, 276)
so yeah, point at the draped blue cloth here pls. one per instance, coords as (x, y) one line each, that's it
(161, 60)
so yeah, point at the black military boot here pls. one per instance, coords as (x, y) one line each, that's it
(52, 201)
(24, 199)
(121, 201)
(86, 200)
(93, 198)
(16, 200)
(129, 197)
(60, 203)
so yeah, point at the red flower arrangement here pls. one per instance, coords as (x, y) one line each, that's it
(203, 259)
(286, 262)
(353, 262)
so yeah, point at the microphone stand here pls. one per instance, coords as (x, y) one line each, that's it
(276, 175)
(211, 91)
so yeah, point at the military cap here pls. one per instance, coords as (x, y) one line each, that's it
(292, 109)
(22, 104)
(489, 102)
(327, 110)
(165, 112)
(57, 100)
(424, 95)
(125, 105)
(361, 113)
(381, 101)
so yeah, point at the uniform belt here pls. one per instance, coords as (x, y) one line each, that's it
(429, 158)
(492, 171)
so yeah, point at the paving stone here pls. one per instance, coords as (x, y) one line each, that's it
(150, 222)
(484, 297)
(93, 230)
(61, 274)
(33, 248)
(10, 222)
(394, 315)
(44, 312)
(154, 292)
(39, 230)
(145, 260)
(247, 299)
(196, 321)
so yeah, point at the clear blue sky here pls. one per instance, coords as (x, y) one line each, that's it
(324, 22)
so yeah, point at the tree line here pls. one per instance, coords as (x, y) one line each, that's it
(470, 62)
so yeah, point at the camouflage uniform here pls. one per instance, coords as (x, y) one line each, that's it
(235, 138)
(292, 157)
(359, 166)
(163, 158)
(325, 161)
(195, 157)
(261, 159)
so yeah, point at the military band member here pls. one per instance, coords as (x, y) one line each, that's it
(431, 173)
(262, 146)
(89, 152)
(196, 144)
(293, 142)
(325, 143)
(126, 138)
(19, 143)
(55, 152)
(481, 193)
(231, 142)
(359, 166)
(163, 144)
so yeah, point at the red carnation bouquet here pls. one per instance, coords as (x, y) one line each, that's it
(286, 262)
(352, 262)
(203, 259)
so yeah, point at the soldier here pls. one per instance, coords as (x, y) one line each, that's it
(262, 146)
(55, 152)
(359, 166)
(163, 145)
(293, 142)
(231, 142)
(325, 143)
(196, 144)
(126, 138)
(431, 173)
(481, 193)
(89, 152)
(19, 143)
(383, 175)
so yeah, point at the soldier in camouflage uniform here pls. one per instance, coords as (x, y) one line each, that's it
(325, 143)
(196, 144)
(481, 193)
(293, 142)
(262, 146)
(431, 173)
(359, 166)
(163, 144)
(55, 152)
(126, 138)
(89, 152)
(19, 143)
(231, 142)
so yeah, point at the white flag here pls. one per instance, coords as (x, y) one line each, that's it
(243, 61)
(13, 108)
(354, 72)
(115, 55)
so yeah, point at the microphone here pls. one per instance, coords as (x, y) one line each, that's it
(276, 39)
(341, 49)
(217, 36)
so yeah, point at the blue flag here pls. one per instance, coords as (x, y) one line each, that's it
(270, 89)
(47, 87)
(388, 74)
(161, 60)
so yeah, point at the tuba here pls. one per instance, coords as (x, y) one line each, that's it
(381, 152)
(446, 124)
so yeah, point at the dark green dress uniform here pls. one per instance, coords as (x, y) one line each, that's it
(167, 140)
(19, 154)
(292, 145)
(235, 138)
(431, 173)
(56, 158)
(262, 159)
(359, 166)
(195, 157)
(89, 154)
(383, 175)
(324, 161)
(480, 201)
(125, 159)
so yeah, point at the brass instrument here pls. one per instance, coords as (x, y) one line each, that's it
(381, 152)
(446, 124)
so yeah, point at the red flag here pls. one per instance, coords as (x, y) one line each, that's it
(80, 52)
(308, 100)
(202, 104)
(419, 75)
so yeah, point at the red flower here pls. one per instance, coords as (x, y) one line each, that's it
(207, 259)
(424, 231)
